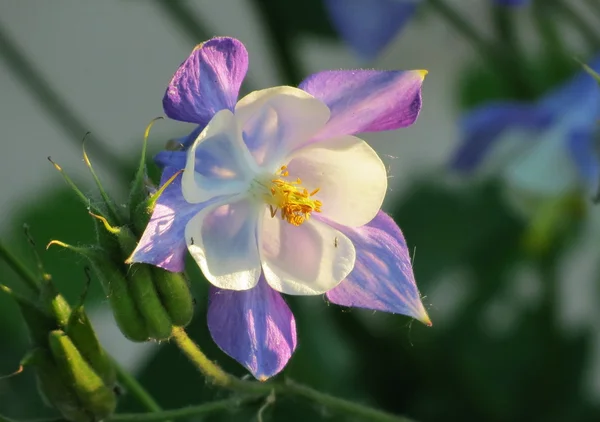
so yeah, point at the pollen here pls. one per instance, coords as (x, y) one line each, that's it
(293, 201)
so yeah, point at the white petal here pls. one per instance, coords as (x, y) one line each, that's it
(277, 121)
(309, 259)
(351, 177)
(218, 162)
(222, 240)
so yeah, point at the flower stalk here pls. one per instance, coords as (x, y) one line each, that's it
(184, 412)
(223, 379)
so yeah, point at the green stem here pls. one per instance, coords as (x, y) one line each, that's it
(55, 106)
(202, 409)
(587, 30)
(331, 402)
(210, 369)
(27, 276)
(135, 388)
(221, 378)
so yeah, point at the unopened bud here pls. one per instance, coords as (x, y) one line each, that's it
(116, 288)
(93, 394)
(175, 294)
(54, 388)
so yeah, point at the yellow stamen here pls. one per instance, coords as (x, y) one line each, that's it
(292, 199)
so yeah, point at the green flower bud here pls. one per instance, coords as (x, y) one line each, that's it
(94, 395)
(116, 288)
(54, 302)
(147, 302)
(53, 387)
(79, 329)
(175, 295)
(146, 297)
(141, 287)
(74, 373)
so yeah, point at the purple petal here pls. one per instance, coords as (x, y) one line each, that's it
(177, 158)
(382, 278)
(586, 157)
(255, 327)
(366, 100)
(174, 159)
(483, 126)
(208, 81)
(163, 242)
(369, 25)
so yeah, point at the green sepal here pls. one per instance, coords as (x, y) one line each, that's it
(81, 332)
(94, 395)
(175, 294)
(53, 387)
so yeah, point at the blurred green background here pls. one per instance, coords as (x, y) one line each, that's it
(516, 334)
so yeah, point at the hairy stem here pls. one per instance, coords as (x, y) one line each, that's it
(221, 378)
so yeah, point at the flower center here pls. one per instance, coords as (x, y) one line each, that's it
(294, 202)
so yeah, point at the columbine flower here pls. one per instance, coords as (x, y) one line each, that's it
(369, 25)
(278, 196)
(544, 149)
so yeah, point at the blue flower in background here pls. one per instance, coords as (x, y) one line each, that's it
(248, 162)
(546, 148)
(369, 25)
(511, 2)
